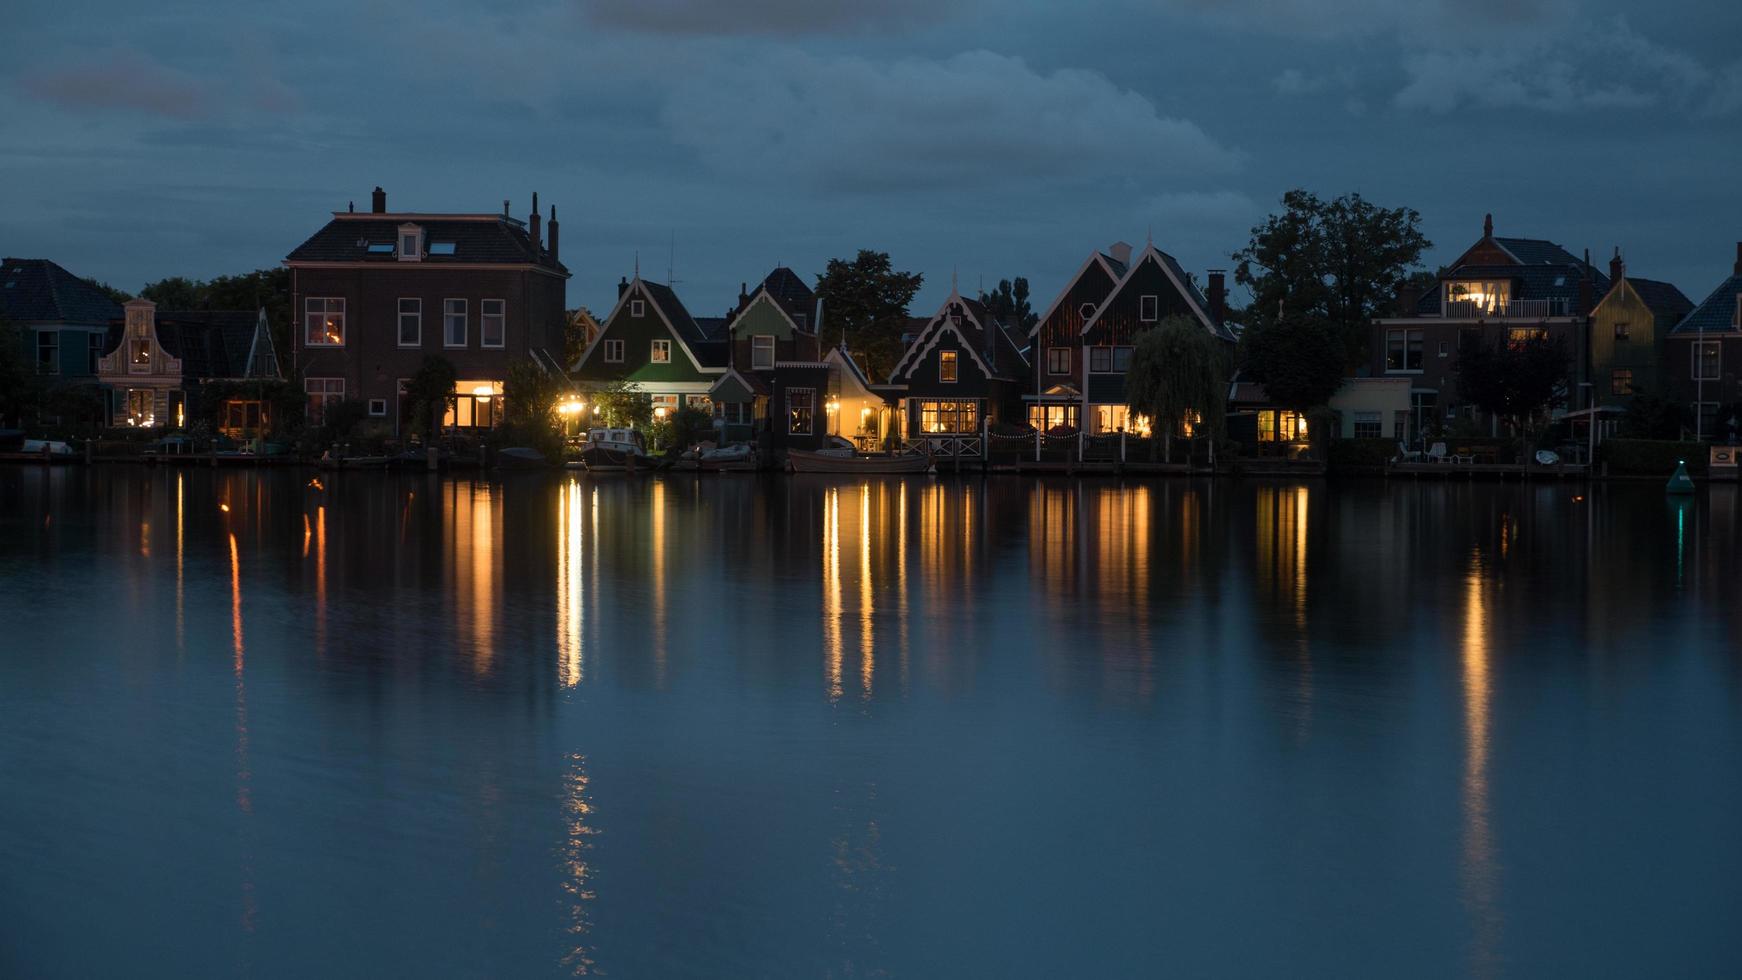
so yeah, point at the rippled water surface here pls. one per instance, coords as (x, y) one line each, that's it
(672, 727)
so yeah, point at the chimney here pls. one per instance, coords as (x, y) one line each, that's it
(532, 224)
(743, 292)
(505, 207)
(1617, 268)
(622, 286)
(378, 201)
(351, 207)
(1488, 226)
(552, 233)
(1218, 296)
(1121, 252)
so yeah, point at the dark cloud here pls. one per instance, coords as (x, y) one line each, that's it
(123, 80)
(762, 17)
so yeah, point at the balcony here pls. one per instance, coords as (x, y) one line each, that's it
(1517, 309)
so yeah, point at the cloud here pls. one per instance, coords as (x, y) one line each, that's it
(1596, 66)
(972, 120)
(1326, 19)
(762, 17)
(124, 80)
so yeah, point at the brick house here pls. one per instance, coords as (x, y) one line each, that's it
(376, 292)
(1702, 357)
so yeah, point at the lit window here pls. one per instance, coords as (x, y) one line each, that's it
(493, 322)
(1476, 298)
(661, 352)
(139, 355)
(800, 406)
(410, 322)
(947, 365)
(454, 323)
(949, 416)
(613, 352)
(1146, 308)
(323, 321)
(761, 352)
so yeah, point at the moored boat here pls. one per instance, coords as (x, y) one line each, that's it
(615, 451)
(729, 459)
(826, 461)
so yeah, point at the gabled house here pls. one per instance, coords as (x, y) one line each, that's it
(961, 372)
(374, 293)
(1500, 289)
(1153, 288)
(63, 319)
(650, 340)
(1628, 329)
(156, 363)
(1702, 357)
(1055, 342)
(770, 328)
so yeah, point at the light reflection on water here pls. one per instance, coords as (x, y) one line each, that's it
(888, 727)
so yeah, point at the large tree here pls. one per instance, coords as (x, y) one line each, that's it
(866, 300)
(1300, 362)
(1009, 303)
(427, 393)
(19, 387)
(1339, 262)
(1179, 372)
(1514, 379)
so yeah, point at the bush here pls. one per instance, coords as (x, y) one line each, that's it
(1651, 457)
(1362, 452)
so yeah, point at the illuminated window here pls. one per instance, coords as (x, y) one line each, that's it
(949, 416)
(661, 352)
(323, 321)
(410, 322)
(761, 352)
(947, 365)
(139, 355)
(613, 352)
(1146, 308)
(1281, 426)
(240, 418)
(663, 405)
(492, 323)
(800, 407)
(1054, 418)
(323, 393)
(1518, 337)
(1708, 360)
(1621, 382)
(1058, 360)
(701, 403)
(1477, 298)
(141, 406)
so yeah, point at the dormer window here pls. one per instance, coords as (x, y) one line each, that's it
(410, 243)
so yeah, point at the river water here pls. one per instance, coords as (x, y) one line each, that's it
(254, 724)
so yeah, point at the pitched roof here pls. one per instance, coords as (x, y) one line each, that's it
(40, 291)
(476, 239)
(1537, 251)
(791, 293)
(1663, 298)
(1716, 313)
(1193, 297)
(985, 336)
(209, 343)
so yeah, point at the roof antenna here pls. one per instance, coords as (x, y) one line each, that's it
(638, 265)
(670, 261)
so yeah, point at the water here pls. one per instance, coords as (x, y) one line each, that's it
(403, 726)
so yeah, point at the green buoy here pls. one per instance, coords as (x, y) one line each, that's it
(1680, 482)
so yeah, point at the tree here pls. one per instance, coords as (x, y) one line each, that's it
(177, 293)
(1009, 303)
(1179, 372)
(529, 396)
(18, 382)
(1652, 416)
(1513, 379)
(118, 296)
(427, 393)
(1339, 262)
(622, 404)
(866, 301)
(267, 289)
(1299, 362)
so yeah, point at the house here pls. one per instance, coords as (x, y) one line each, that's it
(961, 371)
(155, 365)
(1499, 289)
(1702, 354)
(1629, 327)
(1153, 288)
(377, 292)
(1055, 341)
(64, 319)
(769, 332)
(650, 340)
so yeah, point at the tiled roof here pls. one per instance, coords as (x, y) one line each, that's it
(40, 291)
(792, 294)
(1537, 251)
(710, 349)
(1663, 298)
(476, 239)
(209, 343)
(1221, 329)
(1717, 313)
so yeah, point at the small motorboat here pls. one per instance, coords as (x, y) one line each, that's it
(520, 458)
(729, 459)
(846, 461)
(42, 451)
(615, 451)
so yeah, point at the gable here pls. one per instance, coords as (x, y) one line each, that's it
(764, 317)
(1120, 319)
(1064, 319)
(638, 332)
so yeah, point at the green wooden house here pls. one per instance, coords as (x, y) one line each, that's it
(650, 340)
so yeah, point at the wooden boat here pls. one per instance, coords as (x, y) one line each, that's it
(615, 451)
(42, 451)
(836, 461)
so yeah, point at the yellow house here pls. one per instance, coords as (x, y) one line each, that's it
(1628, 328)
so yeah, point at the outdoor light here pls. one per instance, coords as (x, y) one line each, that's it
(659, 413)
(832, 406)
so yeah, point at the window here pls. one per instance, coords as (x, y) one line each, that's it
(1623, 331)
(48, 352)
(96, 341)
(1087, 310)
(1146, 307)
(1708, 360)
(800, 406)
(1477, 298)
(701, 403)
(240, 417)
(1058, 360)
(378, 407)
(734, 413)
(663, 405)
(1400, 424)
(637, 308)
(323, 321)
(1121, 359)
(441, 248)
(410, 322)
(1369, 425)
(946, 365)
(474, 405)
(1621, 382)
(761, 352)
(613, 352)
(1705, 418)
(323, 393)
(1053, 417)
(492, 323)
(661, 352)
(453, 323)
(1445, 348)
(380, 248)
(141, 406)
(1280, 426)
(1403, 350)
(1518, 337)
(410, 243)
(139, 355)
(1101, 359)
(802, 320)
(949, 416)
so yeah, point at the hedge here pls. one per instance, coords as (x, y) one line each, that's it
(1362, 452)
(1651, 457)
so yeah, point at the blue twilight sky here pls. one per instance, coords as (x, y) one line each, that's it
(990, 138)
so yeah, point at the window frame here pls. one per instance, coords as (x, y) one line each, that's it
(330, 389)
(1056, 355)
(1086, 311)
(377, 414)
(1623, 332)
(500, 317)
(659, 352)
(448, 315)
(1367, 425)
(637, 308)
(793, 407)
(1121, 358)
(416, 316)
(949, 367)
(1148, 308)
(96, 345)
(1403, 342)
(49, 341)
(1101, 359)
(612, 346)
(332, 308)
(1621, 381)
(1717, 363)
(757, 347)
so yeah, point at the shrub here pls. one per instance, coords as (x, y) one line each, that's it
(1362, 452)
(1651, 457)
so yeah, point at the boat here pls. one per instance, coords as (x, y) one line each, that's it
(615, 451)
(841, 461)
(41, 451)
(729, 459)
(520, 458)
